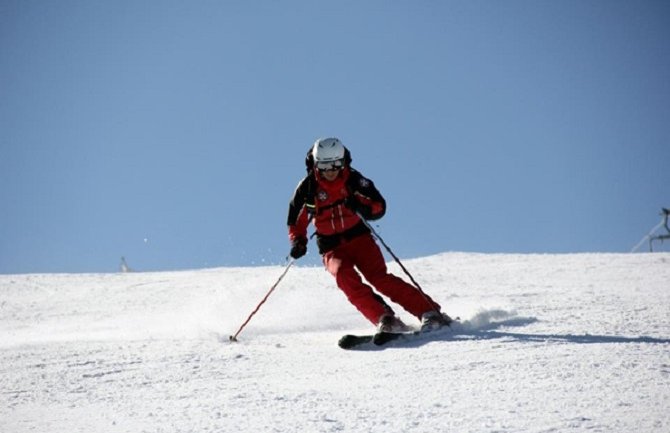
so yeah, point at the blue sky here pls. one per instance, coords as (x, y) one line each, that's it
(173, 132)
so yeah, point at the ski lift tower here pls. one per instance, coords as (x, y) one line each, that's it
(664, 236)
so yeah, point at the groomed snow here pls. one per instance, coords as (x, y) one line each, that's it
(548, 343)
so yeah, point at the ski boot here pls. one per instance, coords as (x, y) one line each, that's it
(433, 320)
(391, 324)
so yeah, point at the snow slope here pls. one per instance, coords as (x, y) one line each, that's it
(548, 343)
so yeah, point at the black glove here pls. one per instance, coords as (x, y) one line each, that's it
(358, 207)
(298, 248)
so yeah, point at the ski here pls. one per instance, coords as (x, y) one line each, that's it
(381, 339)
(351, 341)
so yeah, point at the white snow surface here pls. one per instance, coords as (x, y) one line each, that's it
(546, 343)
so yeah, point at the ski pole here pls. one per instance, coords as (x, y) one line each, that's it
(397, 260)
(233, 338)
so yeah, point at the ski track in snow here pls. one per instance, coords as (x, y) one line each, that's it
(546, 343)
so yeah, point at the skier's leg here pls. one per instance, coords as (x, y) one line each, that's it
(370, 261)
(371, 305)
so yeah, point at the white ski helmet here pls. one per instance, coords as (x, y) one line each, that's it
(327, 150)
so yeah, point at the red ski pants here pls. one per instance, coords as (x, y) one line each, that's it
(363, 253)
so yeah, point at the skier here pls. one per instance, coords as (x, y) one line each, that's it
(335, 197)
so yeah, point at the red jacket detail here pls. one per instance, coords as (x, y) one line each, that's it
(329, 213)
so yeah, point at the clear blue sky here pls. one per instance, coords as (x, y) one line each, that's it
(173, 132)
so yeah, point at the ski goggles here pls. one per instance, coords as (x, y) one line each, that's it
(338, 164)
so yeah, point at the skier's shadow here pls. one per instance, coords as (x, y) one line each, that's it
(467, 331)
(567, 338)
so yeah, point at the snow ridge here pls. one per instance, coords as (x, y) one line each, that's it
(575, 342)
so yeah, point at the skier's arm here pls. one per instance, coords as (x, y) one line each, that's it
(366, 199)
(298, 218)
